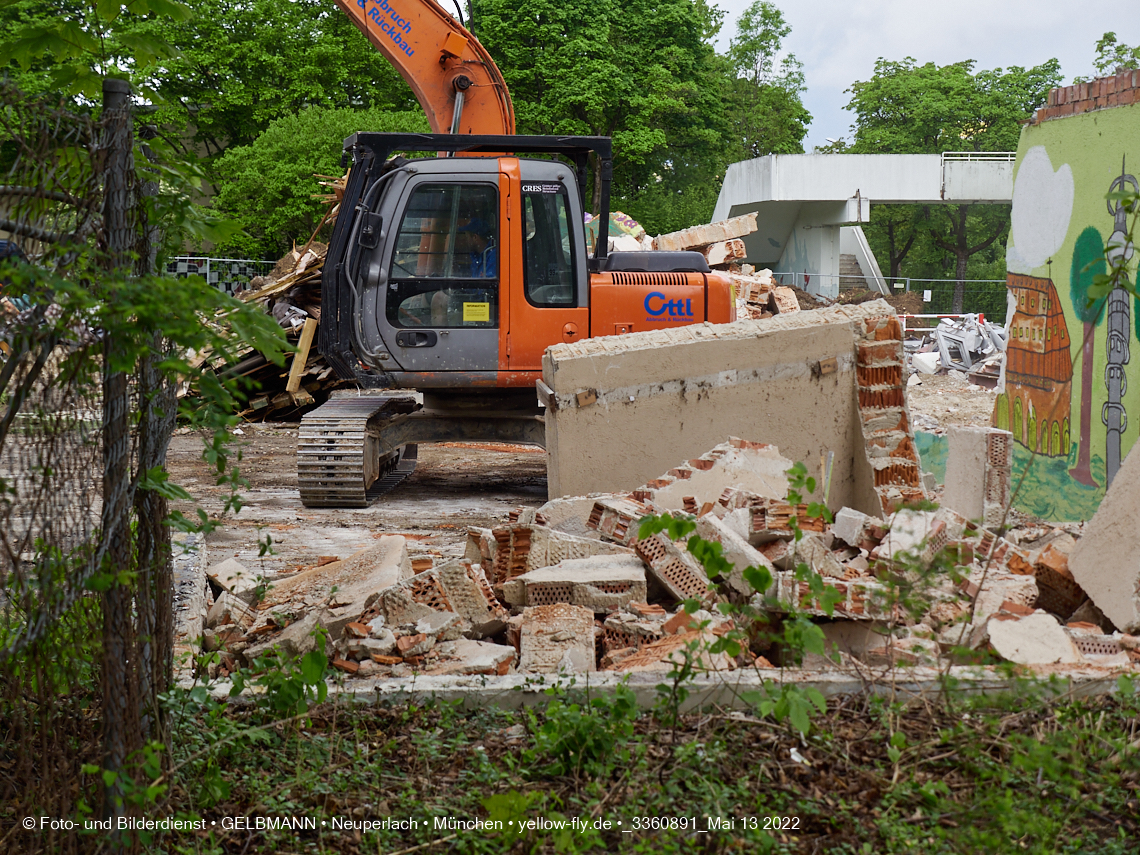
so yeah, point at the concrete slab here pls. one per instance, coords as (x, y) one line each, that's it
(724, 690)
(355, 579)
(1106, 561)
(1036, 639)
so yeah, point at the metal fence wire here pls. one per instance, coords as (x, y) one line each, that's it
(83, 653)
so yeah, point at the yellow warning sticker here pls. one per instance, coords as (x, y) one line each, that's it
(475, 312)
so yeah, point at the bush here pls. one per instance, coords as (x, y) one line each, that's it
(267, 186)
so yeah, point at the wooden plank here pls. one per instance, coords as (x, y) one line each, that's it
(301, 356)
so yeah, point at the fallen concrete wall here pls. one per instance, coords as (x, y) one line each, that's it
(1104, 561)
(623, 409)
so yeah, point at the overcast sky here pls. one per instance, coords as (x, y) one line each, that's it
(838, 41)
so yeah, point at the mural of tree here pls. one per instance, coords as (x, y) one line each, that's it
(1088, 262)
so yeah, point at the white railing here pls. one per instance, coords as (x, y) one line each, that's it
(979, 156)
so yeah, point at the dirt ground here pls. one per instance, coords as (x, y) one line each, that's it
(454, 486)
(950, 399)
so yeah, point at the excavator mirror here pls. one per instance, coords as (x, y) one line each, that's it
(370, 230)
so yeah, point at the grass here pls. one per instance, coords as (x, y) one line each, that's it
(1011, 774)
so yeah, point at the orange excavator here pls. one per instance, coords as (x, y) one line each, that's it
(449, 276)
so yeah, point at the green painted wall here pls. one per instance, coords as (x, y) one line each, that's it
(1057, 216)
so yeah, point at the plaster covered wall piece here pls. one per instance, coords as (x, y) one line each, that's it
(663, 396)
(1036, 639)
(603, 583)
(701, 236)
(355, 579)
(859, 599)
(673, 568)
(755, 467)
(524, 547)
(736, 550)
(557, 637)
(616, 518)
(1105, 561)
(978, 472)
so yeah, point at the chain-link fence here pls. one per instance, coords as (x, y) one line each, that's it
(979, 296)
(85, 587)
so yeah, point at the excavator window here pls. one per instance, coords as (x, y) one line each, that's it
(548, 253)
(445, 265)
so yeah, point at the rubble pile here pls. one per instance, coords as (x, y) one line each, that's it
(291, 293)
(971, 345)
(572, 587)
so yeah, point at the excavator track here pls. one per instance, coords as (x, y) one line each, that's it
(338, 454)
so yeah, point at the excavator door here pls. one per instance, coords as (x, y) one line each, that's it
(436, 282)
(549, 293)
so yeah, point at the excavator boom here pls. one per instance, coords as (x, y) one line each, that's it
(454, 78)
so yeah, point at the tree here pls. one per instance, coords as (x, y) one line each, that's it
(1113, 57)
(1088, 263)
(599, 67)
(243, 64)
(267, 186)
(906, 108)
(769, 116)
(70, 47)
(93, 214)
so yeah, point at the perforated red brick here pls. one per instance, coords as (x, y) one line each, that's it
(1096, 645)
(548, 593)
(880, 375)
(670, 569)
(428, 591)
(999, 450)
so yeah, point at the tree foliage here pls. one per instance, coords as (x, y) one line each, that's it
(1112, 56)
(70, 47)
(907, 108)
(647, 74)
(242, 65)
(267, 186)
(766, 110)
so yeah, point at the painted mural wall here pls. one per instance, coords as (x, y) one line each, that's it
(1072, 387)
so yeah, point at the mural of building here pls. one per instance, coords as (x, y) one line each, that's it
(1036, 405)
(1069, 382)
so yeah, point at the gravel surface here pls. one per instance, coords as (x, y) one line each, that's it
(454, 486)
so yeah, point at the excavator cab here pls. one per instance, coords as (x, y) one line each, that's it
(475, 263)
(457, 272)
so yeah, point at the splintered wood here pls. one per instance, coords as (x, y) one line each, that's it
(291, 293)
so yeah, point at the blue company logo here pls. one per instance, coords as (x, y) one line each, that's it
(675, 308)
(389, 28)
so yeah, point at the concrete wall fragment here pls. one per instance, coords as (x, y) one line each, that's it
(659, 396)
(1105, 561)
(558, 637)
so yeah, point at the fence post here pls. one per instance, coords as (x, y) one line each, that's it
(120, 705)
